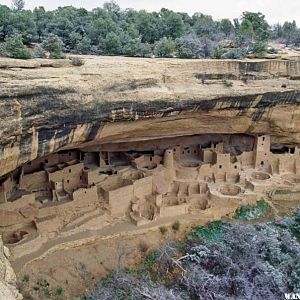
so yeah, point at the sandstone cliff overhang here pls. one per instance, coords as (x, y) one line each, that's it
(45, 107)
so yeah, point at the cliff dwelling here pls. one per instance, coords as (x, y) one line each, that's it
(51, 196)
(92, 160)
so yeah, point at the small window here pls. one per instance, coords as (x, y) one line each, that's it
(235, 167)
(195, 151)
(263, 138)
(46, 161)
(262, 163)
(220, 166)
(29, 163)
(182, 152)
(188, 151)
(68, 181)
(80, 177)
(69, 170)
(70, 153)
(150, 158)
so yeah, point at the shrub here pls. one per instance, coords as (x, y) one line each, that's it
(272, 50)
(54, 46)
(112, 44)
(252, 212)
(58, 292)
(282, 192)
(295, 278)
(15, 48)
(123, 285)
(143, 246)
(214, 231)
(188, 46)
(239, 261)
(39, 52)
(176, 226)
(84, 46)
(150, 259)
(217, 261)
(259, 48)
(228, 83)
(251, 262)
(145, 50)
(26, 278)
(218, 52)
(2, 50)
(294, 225)
(164, 47)
(77, 61)
(132, 46)
(236, 53)
(163, 229)
(47, 292)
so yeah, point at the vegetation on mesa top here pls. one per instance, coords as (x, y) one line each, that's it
(112, 31)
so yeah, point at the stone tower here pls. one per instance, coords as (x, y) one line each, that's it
(169, 163)
(262, 151)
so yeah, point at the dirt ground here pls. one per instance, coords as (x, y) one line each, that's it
(76, 270)
(71, 273)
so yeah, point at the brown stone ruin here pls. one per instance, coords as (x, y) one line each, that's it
(53, 196)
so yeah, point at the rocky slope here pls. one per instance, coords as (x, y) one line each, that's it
(8, 281)
(46, 106)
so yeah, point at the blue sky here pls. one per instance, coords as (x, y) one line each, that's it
(275, 10)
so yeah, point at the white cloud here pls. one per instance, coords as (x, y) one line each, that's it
(275, 10)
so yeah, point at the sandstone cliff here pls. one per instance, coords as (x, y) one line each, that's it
(46, 106)
(8, 281)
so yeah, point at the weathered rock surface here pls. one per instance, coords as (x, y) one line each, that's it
(8, 281)
(45, 107)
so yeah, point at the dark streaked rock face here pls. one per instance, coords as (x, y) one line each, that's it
(112, 100)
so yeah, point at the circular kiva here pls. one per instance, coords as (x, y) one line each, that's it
(260, 176)
(13, 237)
(230, 190)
